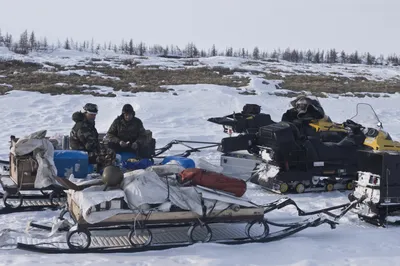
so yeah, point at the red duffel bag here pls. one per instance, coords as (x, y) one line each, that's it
(213, 180)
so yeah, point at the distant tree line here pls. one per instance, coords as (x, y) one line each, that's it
(28, 42)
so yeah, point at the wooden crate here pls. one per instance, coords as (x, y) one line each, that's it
(243, 214)
(23, 170)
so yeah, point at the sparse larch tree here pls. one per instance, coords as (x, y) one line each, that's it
(32, 41)
(321, 56)
(294, 56)
(256, 53)
(309, 56)
(1, 39)
(343, 57)
(23, 43)
(213, 51)
(45, 45)
(131, 49)
(370, 59)
(166, 51)
(8, 40)
(317, 58)
(229, 51)
(287, 55)
(67, 46)
(141, 48)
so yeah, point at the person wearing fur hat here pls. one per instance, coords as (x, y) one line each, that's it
(84, 135)
(126, 131)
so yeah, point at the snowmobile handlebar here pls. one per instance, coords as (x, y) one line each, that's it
(353, 126)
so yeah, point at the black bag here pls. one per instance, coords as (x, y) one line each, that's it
(147, 148)
(242, 142)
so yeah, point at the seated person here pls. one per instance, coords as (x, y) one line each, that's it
(304, 109)
(126, 132)
(84, 135)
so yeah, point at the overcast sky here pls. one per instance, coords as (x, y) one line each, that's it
(363, 25)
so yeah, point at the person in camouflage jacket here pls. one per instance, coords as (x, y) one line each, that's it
(126, 133)
(84, 135)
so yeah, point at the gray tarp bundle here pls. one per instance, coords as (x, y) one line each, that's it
(43, 152)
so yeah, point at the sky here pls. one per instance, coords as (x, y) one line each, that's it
(362, 25)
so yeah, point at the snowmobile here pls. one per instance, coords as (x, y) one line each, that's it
(378, 178)
(240, 155)
(294, 162)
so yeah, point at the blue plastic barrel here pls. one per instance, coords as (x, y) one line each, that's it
(183, 161)
(71, 162)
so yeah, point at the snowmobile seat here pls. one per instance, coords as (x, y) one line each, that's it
(331, 151)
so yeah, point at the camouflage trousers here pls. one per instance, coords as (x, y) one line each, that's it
(102, 158)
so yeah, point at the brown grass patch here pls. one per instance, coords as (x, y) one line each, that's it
(24, 76)
(338, 85)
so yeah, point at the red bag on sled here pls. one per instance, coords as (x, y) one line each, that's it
(213, 180)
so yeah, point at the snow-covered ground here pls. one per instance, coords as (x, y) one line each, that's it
(185, 117)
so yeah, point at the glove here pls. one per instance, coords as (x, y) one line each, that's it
(134, 146)
(123, 144)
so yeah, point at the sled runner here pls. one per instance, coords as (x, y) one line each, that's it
(187, 215)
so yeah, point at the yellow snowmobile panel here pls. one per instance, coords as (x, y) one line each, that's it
(382, 142)
(326, 124)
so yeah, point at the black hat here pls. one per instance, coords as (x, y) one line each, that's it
(128, 109)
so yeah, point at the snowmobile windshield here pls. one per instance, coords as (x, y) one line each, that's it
(366, 116)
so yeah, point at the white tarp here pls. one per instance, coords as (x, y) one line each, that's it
(143, 187)
(43, 152)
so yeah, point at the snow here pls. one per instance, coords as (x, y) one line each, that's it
(5, 85)
(184, 117)
(82, 72)
(99, 89)
(61, 84)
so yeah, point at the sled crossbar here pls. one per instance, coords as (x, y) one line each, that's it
(186, 153)
(283, 202)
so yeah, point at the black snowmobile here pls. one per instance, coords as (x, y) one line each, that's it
(241, 154)
(295, 162)
(311, 122)
(378, 176)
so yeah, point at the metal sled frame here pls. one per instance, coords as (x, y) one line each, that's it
(16, 182)
(140, 234)
(188, 152)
